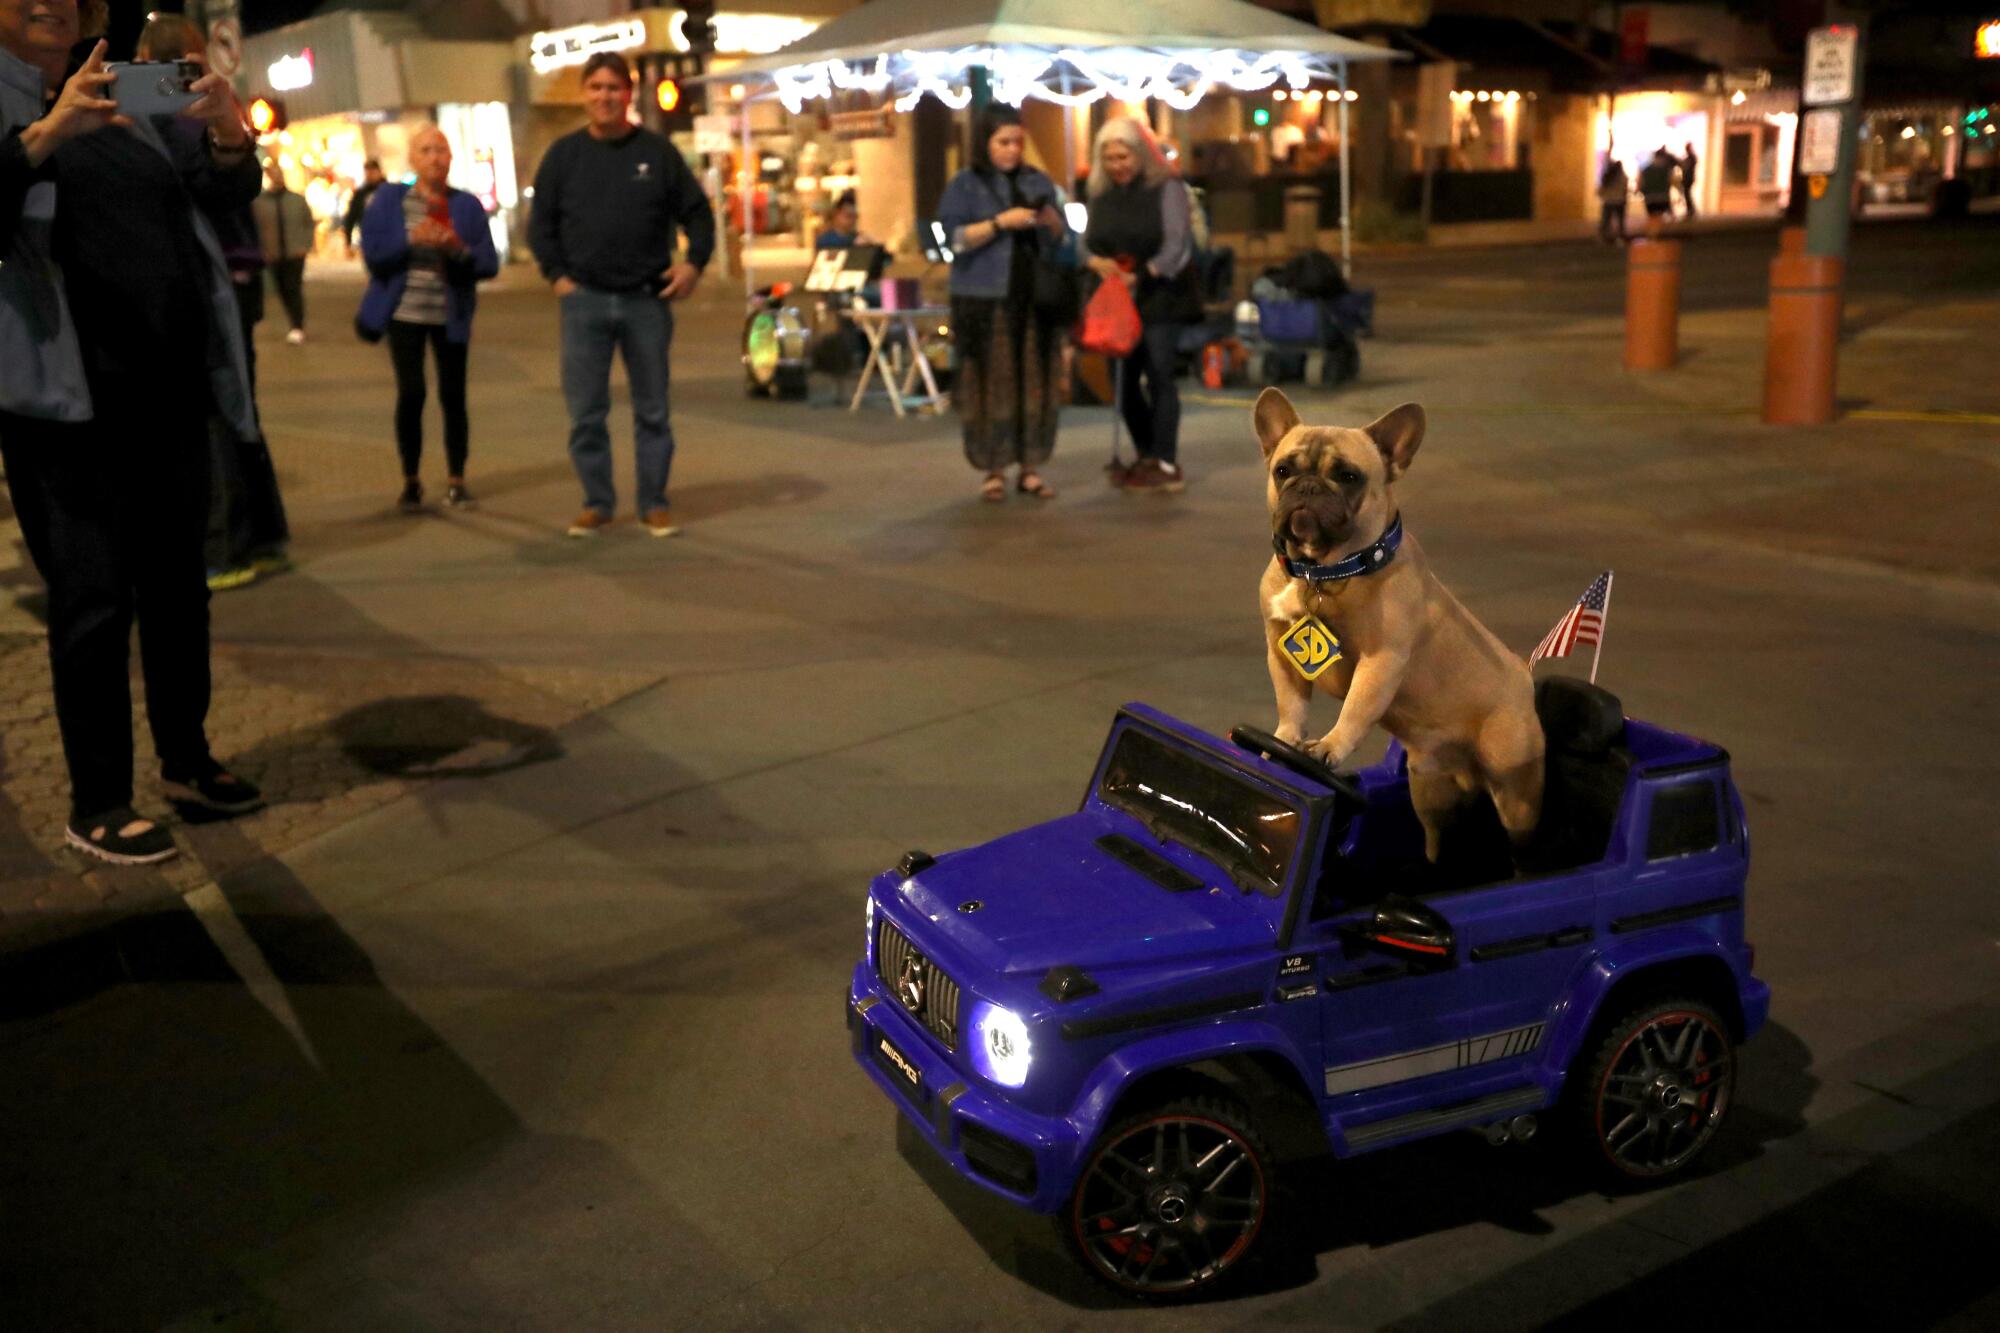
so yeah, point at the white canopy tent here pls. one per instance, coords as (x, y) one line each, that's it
(1133, 50)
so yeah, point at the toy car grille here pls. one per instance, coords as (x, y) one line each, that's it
(911, 976)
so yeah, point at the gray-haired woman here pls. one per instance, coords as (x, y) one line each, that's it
(1139, 235)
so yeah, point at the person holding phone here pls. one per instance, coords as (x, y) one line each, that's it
(1000, 213)
(427, 246)
(107, 251)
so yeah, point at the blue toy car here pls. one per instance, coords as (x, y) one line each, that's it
(1231, 957)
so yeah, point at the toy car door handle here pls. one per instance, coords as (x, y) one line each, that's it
(1407, 927)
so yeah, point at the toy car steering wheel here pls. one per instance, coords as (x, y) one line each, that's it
(1292, 757)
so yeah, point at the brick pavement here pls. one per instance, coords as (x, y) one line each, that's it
(324, 734)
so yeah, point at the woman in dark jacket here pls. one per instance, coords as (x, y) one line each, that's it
(109, 472)
(1139, 235)
(999, 214)
(426, 246)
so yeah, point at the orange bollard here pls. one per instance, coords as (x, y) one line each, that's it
(1802, 350)
(1652, 305)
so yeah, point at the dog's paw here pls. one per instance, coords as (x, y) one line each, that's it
(1325, 751)
(1293, 736)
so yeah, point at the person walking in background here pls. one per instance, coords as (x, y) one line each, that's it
(1139, 235)
(427, 246)
(1688, 163)
(1000, 213)
(1656, 189)
(115, 312)
(609, 199)
(357, 207)
(1613, 197)
(247, 531)
(285, 230)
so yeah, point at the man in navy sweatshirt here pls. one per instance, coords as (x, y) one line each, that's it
(608, 200)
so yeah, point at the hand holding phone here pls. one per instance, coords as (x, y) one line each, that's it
(154, 87)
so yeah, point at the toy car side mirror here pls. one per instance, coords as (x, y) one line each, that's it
(1409, 929)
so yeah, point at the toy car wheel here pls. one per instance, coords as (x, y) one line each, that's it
(1657, 1089)
(1173, 1199)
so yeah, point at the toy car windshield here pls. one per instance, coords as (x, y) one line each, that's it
(1247, 831)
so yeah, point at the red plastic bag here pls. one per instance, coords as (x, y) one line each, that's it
(1110, 323)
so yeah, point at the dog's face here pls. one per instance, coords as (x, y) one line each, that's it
(1328, 487)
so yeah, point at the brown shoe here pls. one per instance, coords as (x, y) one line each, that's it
(1150, 474)
(660, 523)
(589, 523)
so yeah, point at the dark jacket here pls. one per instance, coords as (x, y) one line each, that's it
(385, 248)
(1149, 225)
(607, 212)
(41, 364)
(357, 208)
(28, 215)
(972, 196)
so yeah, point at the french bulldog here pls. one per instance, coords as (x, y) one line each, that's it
(1409, 655)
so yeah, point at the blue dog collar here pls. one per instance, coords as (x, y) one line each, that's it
(1368, 560)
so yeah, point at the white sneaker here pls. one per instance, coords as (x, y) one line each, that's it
(295, 337)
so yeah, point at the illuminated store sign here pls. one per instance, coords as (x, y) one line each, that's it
(1986, 40)
(289, 72)
(747, 34)
(572, 46)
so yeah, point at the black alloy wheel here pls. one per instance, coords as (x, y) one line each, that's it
(1659, 1088)
(1173, 1199)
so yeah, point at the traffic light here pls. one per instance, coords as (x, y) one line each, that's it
(267, 116)
(671, 103)
(698, 26)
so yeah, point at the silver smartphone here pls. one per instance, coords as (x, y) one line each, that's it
(154, 87)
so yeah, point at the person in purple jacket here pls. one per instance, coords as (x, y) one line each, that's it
(426, 246)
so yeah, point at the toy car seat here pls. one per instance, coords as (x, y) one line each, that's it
(1586, 767)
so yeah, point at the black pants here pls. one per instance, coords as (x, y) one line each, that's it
(406, 353)
(1154, 417)
(113, 513)
(1611, 220)
(290, 277)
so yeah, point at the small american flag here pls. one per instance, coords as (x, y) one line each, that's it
(1583, 624)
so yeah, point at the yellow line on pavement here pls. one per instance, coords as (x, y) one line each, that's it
(1937, 418)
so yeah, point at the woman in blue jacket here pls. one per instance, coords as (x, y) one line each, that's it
(427, 246)
(999, 213)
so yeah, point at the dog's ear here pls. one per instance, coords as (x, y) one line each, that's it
(1397, 433)
(1274, 417)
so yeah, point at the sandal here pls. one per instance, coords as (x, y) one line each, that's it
(1031, 483)
(994, 489)
(217, 790)
(121, 836)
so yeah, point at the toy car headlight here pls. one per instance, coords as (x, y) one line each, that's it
(869, 947)
(1000, 1045)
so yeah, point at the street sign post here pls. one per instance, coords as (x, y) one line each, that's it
(1832, 89)
(1802, 349)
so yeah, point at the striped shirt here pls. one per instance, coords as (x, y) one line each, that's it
(423, 285)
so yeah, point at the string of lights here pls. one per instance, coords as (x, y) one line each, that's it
(1063, 75)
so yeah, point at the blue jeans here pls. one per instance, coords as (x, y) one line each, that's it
(639, 325)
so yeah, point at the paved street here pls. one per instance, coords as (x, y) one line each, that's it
(517, 1009)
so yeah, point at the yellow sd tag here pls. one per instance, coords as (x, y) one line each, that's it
(1310, 646)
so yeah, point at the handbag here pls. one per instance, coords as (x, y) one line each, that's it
(1058, 293)
(1110, 323)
